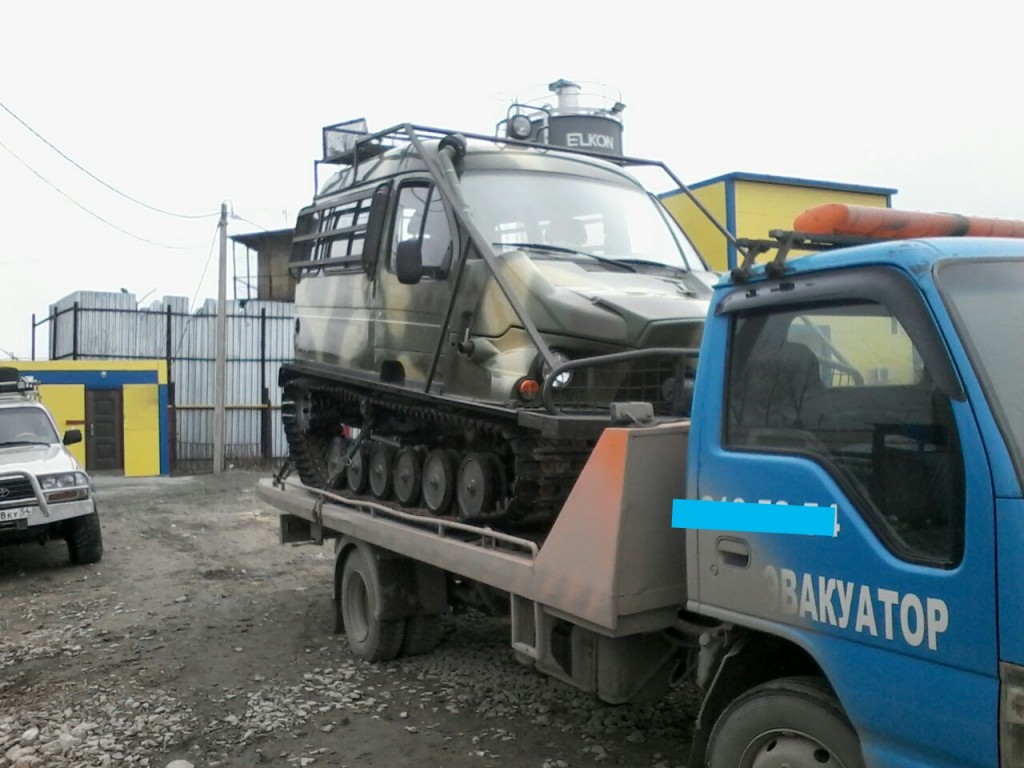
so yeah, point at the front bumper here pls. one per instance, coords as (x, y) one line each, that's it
(24, 505)
(58, 513)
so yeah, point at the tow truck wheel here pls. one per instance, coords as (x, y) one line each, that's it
(795, 722)
(422, 634)
(85, 539)
(369, 638)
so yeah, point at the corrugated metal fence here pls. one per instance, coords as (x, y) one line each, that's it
(94, 325)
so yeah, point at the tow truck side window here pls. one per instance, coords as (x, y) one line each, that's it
(845, 385)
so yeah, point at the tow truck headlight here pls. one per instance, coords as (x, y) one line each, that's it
(1011, 716)
(563, 379)
(65, 486)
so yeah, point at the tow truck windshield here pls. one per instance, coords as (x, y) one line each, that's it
(557, 215)
(985, 299)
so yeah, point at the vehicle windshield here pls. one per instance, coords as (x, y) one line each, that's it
(25, 426)
(563, 216)
(985, 299)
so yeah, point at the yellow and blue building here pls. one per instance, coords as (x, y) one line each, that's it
(749, 205)
(121, 408)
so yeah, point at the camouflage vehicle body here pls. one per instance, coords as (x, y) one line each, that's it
(471, 295)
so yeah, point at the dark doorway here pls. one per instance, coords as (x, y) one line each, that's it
(104, 441)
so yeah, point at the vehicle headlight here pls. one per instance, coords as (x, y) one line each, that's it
(65, 486)
(563, 379)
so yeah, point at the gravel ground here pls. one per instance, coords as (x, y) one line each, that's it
(199, 640)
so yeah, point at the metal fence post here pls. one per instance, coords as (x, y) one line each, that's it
(74, 332)
(265, 425)
(172, 428)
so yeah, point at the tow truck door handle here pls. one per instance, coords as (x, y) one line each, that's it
(733, 551)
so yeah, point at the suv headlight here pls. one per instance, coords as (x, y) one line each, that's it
(65, 486)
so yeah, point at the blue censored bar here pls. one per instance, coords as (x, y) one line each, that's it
(755, 518)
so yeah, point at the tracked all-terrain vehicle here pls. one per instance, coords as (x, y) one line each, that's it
(472, 311)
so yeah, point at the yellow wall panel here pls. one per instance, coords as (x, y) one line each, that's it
(709, 241)
(751, 205)
(762, 207)
(67, 404)
(141, 404)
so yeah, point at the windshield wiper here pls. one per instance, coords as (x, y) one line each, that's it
(652, 263)
(571, 251)
(7, 443)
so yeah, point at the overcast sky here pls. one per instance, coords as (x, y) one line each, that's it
(183, 105)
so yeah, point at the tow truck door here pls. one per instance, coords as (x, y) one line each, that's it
(840, 394)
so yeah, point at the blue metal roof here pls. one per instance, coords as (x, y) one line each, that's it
(792, 181)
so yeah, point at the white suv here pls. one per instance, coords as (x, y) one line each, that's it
(44, 492)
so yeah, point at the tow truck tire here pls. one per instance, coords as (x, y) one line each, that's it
(795, 722)
(422, 634)
(85, 539)
(370, 638)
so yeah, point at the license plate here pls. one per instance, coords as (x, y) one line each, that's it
(15, 513)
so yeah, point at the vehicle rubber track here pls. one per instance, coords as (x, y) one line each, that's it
(536, 473)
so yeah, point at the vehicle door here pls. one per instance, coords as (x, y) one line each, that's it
(838, 390)
(409, 318)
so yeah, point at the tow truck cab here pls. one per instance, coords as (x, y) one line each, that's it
(886, 380)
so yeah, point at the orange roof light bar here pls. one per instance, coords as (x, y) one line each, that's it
(889, 224)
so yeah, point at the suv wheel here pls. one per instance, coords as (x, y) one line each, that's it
(85, 541)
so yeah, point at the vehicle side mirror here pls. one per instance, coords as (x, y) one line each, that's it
(72, 436)
(409, 262)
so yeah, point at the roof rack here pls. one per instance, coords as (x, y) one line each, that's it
(14, 385)
(350, 143)
(783, 241)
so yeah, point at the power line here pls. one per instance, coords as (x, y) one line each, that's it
(199, 287)
(247, 221)
(96, 178)
(95, 215)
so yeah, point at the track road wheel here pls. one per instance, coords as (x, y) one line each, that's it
(438, 484)
(369, 638)
(337, 463)
(795, 722)
(408, 475)
(358, 472)
(422, 634)
(381, 472)
(475, 491)
(85, 539)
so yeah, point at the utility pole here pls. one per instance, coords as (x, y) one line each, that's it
(220, 346)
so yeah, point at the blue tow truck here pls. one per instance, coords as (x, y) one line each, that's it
(878, 384)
